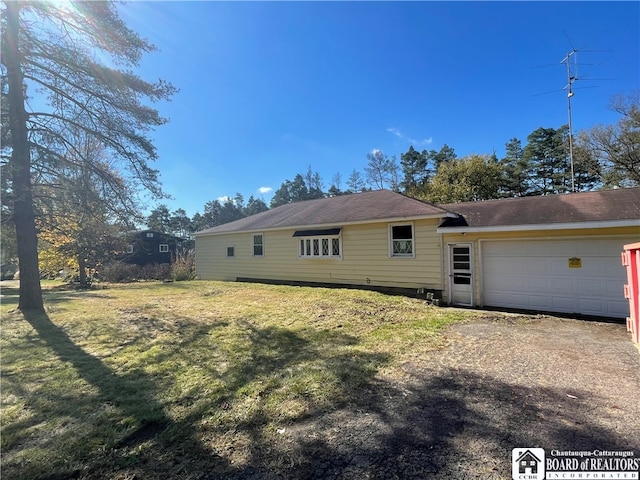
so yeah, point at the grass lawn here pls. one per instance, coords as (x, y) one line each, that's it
(153, 380)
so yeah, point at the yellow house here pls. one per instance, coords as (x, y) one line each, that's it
(557, 253)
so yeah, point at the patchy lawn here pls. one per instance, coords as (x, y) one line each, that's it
(195, 379)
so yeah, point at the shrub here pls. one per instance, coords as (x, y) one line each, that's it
(156, 271)
(184, 266)
(120, 272)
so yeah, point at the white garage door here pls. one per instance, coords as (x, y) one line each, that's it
(568, 276)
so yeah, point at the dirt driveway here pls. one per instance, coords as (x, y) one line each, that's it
(502, 382)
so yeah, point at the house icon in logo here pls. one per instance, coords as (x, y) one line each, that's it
(528, 462)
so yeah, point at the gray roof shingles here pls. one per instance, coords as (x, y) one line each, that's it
(380, 205)
(605, 205)
(359, 207)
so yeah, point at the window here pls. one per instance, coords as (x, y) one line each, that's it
(231, 251)
(129, 248)
(149, 234)
(164, 248)
(319, 247)
(401, 240)
(258, 245)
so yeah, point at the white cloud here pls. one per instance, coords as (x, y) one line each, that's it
(413, 141)
(264, 190)
(376, 151)
(223, 199)
(395, 131)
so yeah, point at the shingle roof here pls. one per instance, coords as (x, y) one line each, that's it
(336, 211)
(605, 205)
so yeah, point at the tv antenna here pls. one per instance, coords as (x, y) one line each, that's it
(571, 62)
(571, 77)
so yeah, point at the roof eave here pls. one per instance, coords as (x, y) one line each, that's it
(335, 224)
(545, 226)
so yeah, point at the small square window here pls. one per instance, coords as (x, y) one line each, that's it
(129, 248)
(149, 234)
(401, 240)
(231, 251)
(164, 248)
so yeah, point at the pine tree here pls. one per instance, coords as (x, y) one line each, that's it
(53, 47)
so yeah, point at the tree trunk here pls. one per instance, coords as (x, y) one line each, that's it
(82, 271)
(20, 165)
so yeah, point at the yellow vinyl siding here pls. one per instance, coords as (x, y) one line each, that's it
(364, 258)
(475, 239)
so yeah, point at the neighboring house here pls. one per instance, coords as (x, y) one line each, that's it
(151, 246)
(555, 253)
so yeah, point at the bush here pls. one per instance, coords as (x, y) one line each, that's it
(184, 266)
(120, 272)
(156, 271)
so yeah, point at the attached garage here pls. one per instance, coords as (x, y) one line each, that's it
(555, 253)
(582, 276)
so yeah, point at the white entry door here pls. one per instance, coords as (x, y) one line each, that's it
(461, 274)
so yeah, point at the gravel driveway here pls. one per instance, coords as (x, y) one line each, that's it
(502, 382)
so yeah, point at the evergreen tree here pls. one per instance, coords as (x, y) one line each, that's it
(414, 169)
(298, 190)
(445, 154)
(52, 48)
(282, 195)
(314, 184)
(515, 178)
(180, 224)
(160, 219)
(255, 205)
(547, 154)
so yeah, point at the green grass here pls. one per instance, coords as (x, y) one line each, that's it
(158, 380)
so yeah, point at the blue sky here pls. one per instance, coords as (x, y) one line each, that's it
(268, 89)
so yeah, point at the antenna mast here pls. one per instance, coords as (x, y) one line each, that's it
(570, 79)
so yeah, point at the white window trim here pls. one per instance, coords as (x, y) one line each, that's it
(253, 245)
(331, 256)
(227, 251)
(413, 240)
(129, 248)
(163, 248)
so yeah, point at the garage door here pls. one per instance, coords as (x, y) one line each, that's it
(567, 276)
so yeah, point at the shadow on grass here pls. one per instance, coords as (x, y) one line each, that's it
(457, 426)
(129, 412)
(119, 428)
(52, 296)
